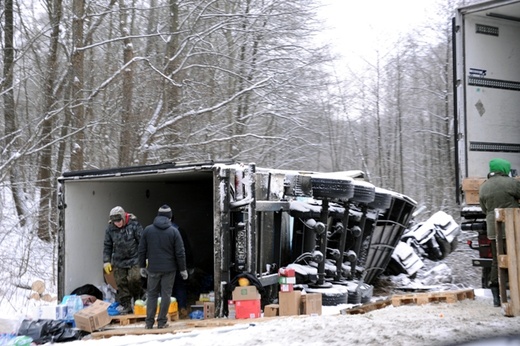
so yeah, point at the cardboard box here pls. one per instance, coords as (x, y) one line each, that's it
(271, 310)
(287, 288)
(311, 304)
(247, 308)
(472, 184)
(93, 317)
(285, 280)
(245, 293)
(209, 310)
(287, 272)
(289, 303)
(110, 280)
(471, 197)
(471, 187)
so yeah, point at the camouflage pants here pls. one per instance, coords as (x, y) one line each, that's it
(129, 285)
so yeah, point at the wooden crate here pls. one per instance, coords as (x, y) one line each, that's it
(472, 184)
(508, 255)
(470, 187)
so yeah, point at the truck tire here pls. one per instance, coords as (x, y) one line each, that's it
(336, 295)
(382, 200)
(332, 188)
(363, 192)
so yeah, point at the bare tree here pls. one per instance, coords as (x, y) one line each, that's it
(76, 84)
(45, 172)
(12, 135)
(128, 126)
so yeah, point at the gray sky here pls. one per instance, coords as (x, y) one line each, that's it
(359, 28)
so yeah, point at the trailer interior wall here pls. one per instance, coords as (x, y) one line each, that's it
(488, 85)
(83, 230)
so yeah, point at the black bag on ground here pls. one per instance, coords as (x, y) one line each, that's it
(90, 290)
(45, 331)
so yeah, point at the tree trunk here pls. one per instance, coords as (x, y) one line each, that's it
(47, 203)
(77, 81)
(127, 141)
(171, 65)
(11, 128)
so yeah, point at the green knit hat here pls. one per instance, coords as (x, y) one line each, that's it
(500, 165)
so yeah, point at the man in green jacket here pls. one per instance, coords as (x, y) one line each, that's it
(498, 191)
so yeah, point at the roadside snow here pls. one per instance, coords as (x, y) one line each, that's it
(431, 324)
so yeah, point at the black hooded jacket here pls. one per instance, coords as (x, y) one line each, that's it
(161, 244)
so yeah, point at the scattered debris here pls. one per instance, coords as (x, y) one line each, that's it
(364, 308)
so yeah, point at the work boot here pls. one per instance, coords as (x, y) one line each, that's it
(496, 296)
(162, 326)
(183, 314)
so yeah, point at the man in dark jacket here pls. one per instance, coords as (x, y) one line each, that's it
(162, 247)
(120, 255)
(498, 191)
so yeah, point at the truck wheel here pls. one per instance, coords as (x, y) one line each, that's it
(382, 200)
(363, 192)
(333, 296)
(331, 188)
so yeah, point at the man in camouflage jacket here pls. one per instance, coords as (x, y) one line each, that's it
(122, 238)
(498, 191)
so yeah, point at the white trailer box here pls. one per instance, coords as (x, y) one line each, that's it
(239, 219)
(487, 89)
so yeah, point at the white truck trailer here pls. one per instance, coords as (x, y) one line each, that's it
(239, 219)
(486, 60)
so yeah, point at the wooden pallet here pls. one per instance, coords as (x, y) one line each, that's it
(182, 326)
(508, 255)
(433, 297)
(364, 308)
(125, 320)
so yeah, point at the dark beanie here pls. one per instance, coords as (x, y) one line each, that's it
(165, 210)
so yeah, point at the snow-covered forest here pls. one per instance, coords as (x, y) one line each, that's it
(106, 83)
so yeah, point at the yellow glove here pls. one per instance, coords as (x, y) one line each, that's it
(107, 267)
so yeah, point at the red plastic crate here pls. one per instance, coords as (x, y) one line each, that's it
(247, 308)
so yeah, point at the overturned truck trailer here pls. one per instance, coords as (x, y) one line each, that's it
(240, 219)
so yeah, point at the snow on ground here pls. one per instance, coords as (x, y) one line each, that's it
(431, 324)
